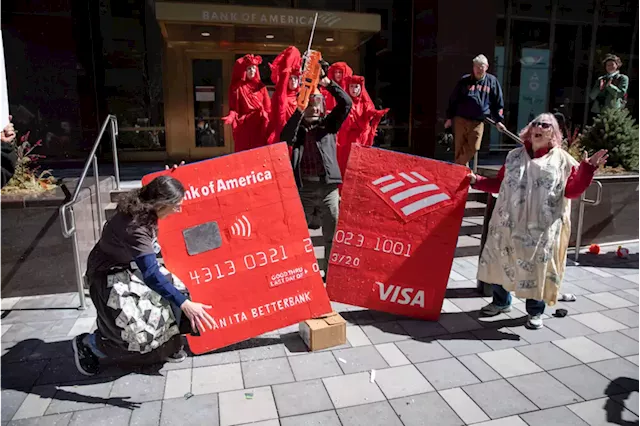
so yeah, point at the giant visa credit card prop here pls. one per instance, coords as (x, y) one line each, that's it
(241, 244)
(397, 231)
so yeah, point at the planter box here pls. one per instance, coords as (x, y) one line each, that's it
(615, 218)
(36, 258)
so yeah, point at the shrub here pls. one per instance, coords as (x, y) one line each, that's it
(27, 177)
(616, 131)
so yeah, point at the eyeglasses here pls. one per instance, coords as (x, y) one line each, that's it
(541, 124)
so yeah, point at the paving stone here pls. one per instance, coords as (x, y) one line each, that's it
(616, 342)
(619, 283)
(148, 414)
(376, 414)
(571, 287)
(62, 370)
(511, 401)
(568, 327)
(139, 387)
(535, 336)
(632, 297)
(357, 337)
(8, 303)
(301, 398)
(632, 278)
(469, 304)
(360, 359)
(505, 421)
(418, 351)
(559, 416)
(599, 322)
(633, 359)
(20, 351)
(623, 315)
(509, 363)
(479, 368)
(11, 401)
(618, 368)
(417, 329)
(630, 401)
(449, 308)
(464, 406)
(178, 384)
(262, 352)
(267, 372)
(352, 389)
(22, 375)
(314, 366)
(402, 381)
(385, 332)
(458, 322)
(23, 331)
(593, 413)
(55, 420)
(573, 273)
(216, 378)
(425, 409)
(584, 349)
(82, 325)
(324, 418)
(499, 338)
(392, 355)
(584, 305)
(631, 332)
(54, 347)
(463, 344)
(544, 391)
(274, 422)
(108, 416)
(216, 358)
(36, 402)
(447, 373)
(609, 300)
(80, 396)
(584, 381)
(246, 406)
(197, 410)
(548, 356)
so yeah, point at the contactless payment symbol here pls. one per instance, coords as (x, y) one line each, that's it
(410, 194)
(241, 227)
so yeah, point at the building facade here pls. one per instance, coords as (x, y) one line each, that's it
(163, 67)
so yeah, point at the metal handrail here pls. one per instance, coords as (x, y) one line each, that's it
(583, 202)
(505, 131)
(67, 208)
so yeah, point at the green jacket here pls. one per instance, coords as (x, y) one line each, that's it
(612, 95)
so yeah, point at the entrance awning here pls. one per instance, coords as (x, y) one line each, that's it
(244, 27)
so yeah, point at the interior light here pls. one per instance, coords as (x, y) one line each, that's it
(329, 39)
(205, 34)
(270, 36)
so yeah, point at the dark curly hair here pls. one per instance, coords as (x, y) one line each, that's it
(142, 204)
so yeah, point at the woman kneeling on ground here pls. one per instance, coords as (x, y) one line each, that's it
(138, 302)
(526, 246)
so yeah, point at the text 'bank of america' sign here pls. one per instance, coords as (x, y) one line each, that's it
(241, 244)
(397, 231)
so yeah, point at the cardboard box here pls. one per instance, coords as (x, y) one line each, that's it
(325, 332)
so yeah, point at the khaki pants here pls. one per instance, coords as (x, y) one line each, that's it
(467, 136)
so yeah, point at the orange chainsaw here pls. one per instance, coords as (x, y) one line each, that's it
(310, 73)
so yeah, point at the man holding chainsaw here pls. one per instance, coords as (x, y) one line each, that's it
(312, 134)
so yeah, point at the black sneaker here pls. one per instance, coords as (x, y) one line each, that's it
(177, 357)
(86, 362)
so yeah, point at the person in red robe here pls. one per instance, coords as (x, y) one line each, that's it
(362, 124)
(249, 104)
(340, 73)
(285, 74)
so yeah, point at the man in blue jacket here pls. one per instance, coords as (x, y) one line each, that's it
(476, 96)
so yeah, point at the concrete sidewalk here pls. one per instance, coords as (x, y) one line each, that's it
(463, 369)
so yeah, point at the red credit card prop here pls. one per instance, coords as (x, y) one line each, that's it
(251, 255)
(397, 231)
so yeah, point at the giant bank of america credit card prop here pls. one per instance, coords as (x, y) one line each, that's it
(241, 244)
(400, 216)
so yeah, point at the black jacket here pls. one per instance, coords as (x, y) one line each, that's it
(9, 159)
(294, 133)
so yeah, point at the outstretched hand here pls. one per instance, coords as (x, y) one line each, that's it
(472, 178)
(596, 160)
(198, 316)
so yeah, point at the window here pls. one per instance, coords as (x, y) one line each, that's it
(339, 5)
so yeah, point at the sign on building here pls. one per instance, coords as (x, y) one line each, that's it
(534, 82)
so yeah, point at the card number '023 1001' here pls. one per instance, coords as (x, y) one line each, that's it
(380, 244)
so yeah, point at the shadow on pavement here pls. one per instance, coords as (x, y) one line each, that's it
(615, 404)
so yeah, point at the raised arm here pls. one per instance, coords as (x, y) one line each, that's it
(340, 112)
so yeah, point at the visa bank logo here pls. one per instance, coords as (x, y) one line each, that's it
(401, 295)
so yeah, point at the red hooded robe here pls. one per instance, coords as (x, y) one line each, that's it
(249, 106)
(347, 72)
(361, 124)
(284, 102)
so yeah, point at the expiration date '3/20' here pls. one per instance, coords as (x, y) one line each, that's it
(381, 244)
(250, 261)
